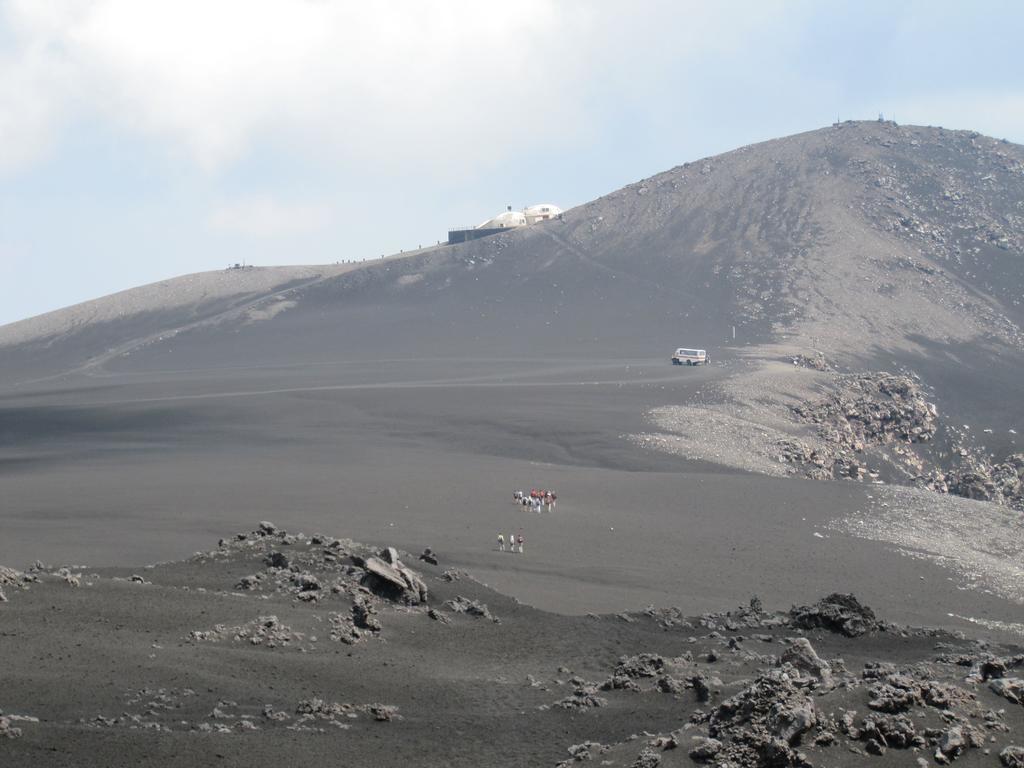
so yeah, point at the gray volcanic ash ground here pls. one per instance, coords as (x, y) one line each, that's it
(858, 435)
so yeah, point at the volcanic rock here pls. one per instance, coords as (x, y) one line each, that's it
(462, 604)
(392, 579)
(801, 654)
(8, 731)
(705, 749)
(701, 687)
(951, 744)
(364, 616)
(896, 694)
(837, 612)
(668, 684)
(277, 560)
(891, 731)
(762, 723)
(428, 556)
(583, 697)
(642, 665)
(1012, 757)
(1010, 688)
(648, 758)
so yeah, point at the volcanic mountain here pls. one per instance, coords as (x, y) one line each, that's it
(867, 244)
(865, 240)
(859, 290)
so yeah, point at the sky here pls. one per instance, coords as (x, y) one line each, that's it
(143, 139)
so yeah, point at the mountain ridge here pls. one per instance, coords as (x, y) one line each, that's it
(831, 236)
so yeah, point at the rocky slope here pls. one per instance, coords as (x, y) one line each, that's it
(279, 645)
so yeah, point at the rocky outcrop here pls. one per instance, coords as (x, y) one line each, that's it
(705, 749)
(816, 361)
(1002, 482)
(267, 631)
(429, 556)
(862, 411)
(7, 730)
(462, 604)
(890, 731)
(762, 724)
(647, 758)
(1010, 688)
(9, 578)
(386, 576)
(802, 656)
(584, 696)
(642, 665)
(838, 613)
(1012, 757)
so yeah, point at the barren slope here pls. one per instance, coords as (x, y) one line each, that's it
(862, 239)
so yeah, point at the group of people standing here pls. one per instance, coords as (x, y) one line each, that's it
(536, 500)
(512, 541)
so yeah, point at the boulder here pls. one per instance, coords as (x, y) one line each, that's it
(428, 556)
(668, 684)
(364, 616)
(801, 654)
(701, 687)
(788, 721)
(307, 582)
(583, 697)
(760, 725)
(248, 583)
(414, 584)
(647, 758)
(704, 749)
(838, 613)
(8, 731)
(1010, 688)
(472, 607)
(620, 683)
(276, 560)
(895, 731)
(383, 712)
(438, 616)
(951, 744)
(1012, 757)
(392, 580)
(896, 693)
(642, 665)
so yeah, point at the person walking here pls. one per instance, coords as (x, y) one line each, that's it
(501, 542)
(520, 543)
(511, 542)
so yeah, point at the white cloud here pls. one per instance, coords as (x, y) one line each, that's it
(434, 84)
(264, 216)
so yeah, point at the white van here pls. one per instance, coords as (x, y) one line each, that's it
(685, 356)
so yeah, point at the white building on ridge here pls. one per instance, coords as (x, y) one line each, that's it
(507, 219)
(541, 212)
(504, 220)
